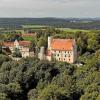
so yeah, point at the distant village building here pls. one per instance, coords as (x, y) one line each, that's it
(62, 50)
(23, 47)
(29, 34)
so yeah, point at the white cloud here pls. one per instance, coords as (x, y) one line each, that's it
(49, 8)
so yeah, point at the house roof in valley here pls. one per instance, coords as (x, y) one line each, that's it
(29, 35)
(62, 44)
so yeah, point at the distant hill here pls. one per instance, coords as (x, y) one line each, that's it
(75, 23)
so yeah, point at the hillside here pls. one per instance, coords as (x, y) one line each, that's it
(75, 23)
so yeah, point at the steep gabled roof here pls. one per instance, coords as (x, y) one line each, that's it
(62, 44)
(21, 43)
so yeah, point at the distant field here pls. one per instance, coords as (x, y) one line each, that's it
(34, 26)
(72, 30)
(28, 38)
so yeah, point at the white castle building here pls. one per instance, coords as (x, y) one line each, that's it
(62, 50)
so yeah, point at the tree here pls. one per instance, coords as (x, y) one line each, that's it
(52, 92)
(3, 96)
(91, 92)
(42, 42)
(17, 53)
(32, 94)
(4, 58)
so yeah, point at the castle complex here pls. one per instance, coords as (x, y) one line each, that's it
(58, 49)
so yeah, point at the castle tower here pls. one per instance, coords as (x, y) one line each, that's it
(49, 42)
(41, 54)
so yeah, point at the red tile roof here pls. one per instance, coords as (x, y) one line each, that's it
(21, 43)
(24, 43)
(62, 44)
(8, 44)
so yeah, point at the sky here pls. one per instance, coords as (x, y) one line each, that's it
(50, 8)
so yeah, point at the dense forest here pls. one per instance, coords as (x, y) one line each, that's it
(75, 23)
(32, 79)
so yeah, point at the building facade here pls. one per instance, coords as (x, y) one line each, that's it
(22, 46)
(62, 50)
